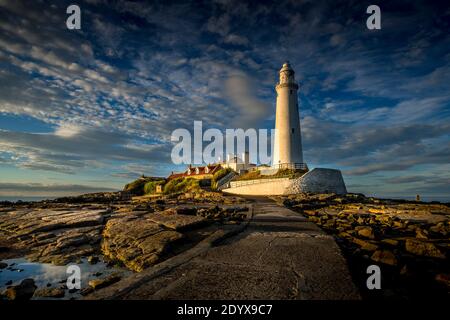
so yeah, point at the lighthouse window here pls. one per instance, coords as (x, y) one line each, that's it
(292, 130)
(290, 91)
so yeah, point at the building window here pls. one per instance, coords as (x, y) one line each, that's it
(290, 91)
(292, 130)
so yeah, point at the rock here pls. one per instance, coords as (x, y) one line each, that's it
(176, 222)
(365, 245)
(86, 291)
(421, 234)
(101, 283)
(138, 243)
(187, 211)
(384, 256)
(391, 242)
(92, 259)
(443, 278)
(8, 283)
(23, 291)
(49, 293)
(366, 232)
(3, 265)
(421, 248)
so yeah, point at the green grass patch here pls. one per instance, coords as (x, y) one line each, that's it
(219, 175)
(180, 185)
(281, 173)
(137, 187)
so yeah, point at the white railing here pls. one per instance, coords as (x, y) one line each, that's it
(224, 182)
(293, 166)
(235, 184)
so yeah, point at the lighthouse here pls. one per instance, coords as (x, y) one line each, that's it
(287, 151)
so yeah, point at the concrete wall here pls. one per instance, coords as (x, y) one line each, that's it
(258, 187)
(319, 180)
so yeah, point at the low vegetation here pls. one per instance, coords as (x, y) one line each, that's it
(219, 175)
(150, 187)
(137, 187)
(281, 173)
(181, 185)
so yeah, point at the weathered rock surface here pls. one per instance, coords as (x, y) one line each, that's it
(60, 233)
(49, 293)
(403, 235)
(176, 221)
(104, 282)
(137, 243)
(23, 291)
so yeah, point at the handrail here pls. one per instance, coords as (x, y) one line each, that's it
(301, 166)
(235, 184)
(225, 180)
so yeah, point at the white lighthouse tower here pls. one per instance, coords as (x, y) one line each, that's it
(287, 152)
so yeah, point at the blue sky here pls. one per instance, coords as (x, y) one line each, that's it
(91, 109)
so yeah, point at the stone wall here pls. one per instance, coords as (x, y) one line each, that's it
(319, 180)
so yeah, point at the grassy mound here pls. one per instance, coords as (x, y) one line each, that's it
(181, 185)
(281, 173)
(219, 175)
(137, 187)
(150, 187)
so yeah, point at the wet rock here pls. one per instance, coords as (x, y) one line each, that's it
(3, 265)
(92, 259)
(23, 291)
(8, 283)
(86, 291)
(422, 248)
(384, 256)
(104, 282)
(49, 293)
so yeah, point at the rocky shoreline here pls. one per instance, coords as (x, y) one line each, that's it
(133, 233)
(410, 241)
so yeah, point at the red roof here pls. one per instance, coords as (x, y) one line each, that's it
(201, 170)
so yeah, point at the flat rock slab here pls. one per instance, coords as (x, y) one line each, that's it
(279, 256)
(137, 243)
(176, 221)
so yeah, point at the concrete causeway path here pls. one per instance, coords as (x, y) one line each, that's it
(280, 255)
